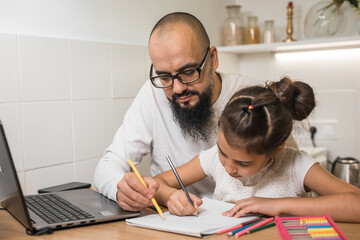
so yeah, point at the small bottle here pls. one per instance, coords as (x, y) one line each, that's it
(252, 31)
(269, 33)
(233, 27)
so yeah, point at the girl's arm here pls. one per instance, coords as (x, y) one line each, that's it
(170, 193)
(338, 199)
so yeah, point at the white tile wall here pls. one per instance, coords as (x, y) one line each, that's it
(47, 134)
(50, 176)
(61, 102)
(90, 70)
(93, 128)
(10, 116)
(9, 74)
(147, 64)
(44, 68)
(84, 170)
(344, 146)
(331, 107)
(128, 73)
(340, 105)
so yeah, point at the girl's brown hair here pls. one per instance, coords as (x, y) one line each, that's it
(260, 119)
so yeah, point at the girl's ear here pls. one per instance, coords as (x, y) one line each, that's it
(280, 148)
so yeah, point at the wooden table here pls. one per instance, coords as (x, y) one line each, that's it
(12, 229)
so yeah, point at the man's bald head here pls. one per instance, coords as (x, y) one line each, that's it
(168, 22)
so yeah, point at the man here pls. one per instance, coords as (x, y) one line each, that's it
(175, 113)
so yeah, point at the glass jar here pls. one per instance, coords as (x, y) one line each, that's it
(252, 31)
(269, 32)
(233, 26)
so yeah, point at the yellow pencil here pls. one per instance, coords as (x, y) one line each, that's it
(142, 181)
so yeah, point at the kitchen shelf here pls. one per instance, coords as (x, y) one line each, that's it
(301, 45)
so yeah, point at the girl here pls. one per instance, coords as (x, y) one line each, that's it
(253, 168)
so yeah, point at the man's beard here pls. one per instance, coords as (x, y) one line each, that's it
(195, 121)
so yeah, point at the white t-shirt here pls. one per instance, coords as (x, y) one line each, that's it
(149, 127)
(284, 177)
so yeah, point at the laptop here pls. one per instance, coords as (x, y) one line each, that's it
(43, 213)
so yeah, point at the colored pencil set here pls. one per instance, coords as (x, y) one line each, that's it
(250, 226)
(313, 227)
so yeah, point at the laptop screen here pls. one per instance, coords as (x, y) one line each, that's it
(10, 191)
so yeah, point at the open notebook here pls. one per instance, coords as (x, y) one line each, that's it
(208, 222)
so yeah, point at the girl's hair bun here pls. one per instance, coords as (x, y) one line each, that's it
(298, 97)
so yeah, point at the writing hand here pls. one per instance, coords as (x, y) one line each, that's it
(132, 195)
(179, 204)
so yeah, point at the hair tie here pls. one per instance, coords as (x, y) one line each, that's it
(250, 107)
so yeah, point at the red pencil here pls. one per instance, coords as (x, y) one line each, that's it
(238, 226)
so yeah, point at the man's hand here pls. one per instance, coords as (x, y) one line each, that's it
(132, 195)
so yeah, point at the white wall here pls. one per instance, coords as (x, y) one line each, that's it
(69, 71)
(62, 101)
(125, 21)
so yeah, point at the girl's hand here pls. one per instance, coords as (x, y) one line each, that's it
(267, 206)
(178, 204)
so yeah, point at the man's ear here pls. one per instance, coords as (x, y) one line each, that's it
(214, 57)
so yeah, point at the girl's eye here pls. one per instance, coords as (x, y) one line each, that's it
(243, 164)
(222, 153)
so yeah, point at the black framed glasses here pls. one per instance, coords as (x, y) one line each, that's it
(185, 77)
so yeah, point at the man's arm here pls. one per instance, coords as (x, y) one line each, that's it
(132, 141)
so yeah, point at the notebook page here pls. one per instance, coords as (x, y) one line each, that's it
(207, 222)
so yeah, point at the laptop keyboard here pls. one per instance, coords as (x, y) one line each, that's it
(54, 209)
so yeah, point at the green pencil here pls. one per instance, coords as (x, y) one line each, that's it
(262, 227)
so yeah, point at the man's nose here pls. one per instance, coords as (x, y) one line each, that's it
(179, 87)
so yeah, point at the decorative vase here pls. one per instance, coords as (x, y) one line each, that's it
(323, 19)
